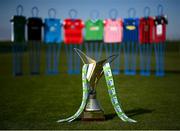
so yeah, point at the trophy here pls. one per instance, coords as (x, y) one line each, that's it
(90, 108)
(93, 110)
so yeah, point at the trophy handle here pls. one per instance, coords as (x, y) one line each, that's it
(103, 62)
(85, 59)
(108, 60)
(111, 58)
(99, 65)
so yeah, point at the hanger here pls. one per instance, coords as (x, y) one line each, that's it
(19, 10)
(52, 13)
(94, 15)
(131, 13)
(146, 12)
(73, 14)
(35, 11)
(113, 14)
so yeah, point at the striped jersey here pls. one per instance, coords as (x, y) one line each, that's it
(130, 31)
(73, 31)
(146, 30)
(113, 31)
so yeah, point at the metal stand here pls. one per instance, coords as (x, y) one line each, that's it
(52, 58)
(130, 52)
(114, 48)
(159, 49)
(93, 110)
(73, 60)
(17, 51)
(145, 59)
(34, 56)
(94, 49)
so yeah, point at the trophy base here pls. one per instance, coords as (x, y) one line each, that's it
(93, 116)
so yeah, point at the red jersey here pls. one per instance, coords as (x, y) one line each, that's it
(160, 29)
(73, 31)
(146, 30)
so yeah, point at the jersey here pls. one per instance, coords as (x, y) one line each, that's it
(52, 30)
(113, 31)
(131, 31)
(18, 29)
(73, 31)
(146, 30)
(34, 28)
(160, 29)
(94, 30)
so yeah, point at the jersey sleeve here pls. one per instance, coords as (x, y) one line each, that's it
(85, 24)
(124, 23)
(137, 22)
(12, 19)
(105, 22)
(82, 24)
(64, 23)
(165, 20)
(60, 22)
(121, 22)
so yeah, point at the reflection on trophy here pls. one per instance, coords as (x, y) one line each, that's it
(93, 110)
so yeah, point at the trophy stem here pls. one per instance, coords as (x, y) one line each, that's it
(93, 110)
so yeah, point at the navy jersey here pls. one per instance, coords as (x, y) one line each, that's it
(34, 28)
(52, 30)
(131, 31)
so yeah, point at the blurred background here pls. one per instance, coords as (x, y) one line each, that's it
(37, 102)
(171, 8)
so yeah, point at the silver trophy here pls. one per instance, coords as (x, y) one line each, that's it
(93, 110)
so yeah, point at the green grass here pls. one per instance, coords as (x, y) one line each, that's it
(37, 102)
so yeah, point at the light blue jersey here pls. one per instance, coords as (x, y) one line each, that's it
(52, 31)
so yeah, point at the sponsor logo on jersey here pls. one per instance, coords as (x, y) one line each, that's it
(52, 29)
(130, 27)
(76, 23)
(113, 28)
(94, 28)
(146, 28)
(159, 30)
(34, 27)
(72, 26)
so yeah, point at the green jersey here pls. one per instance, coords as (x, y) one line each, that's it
(94, 30)
(19, 23)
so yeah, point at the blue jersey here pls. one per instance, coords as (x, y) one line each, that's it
(52, 31)
(130, 30)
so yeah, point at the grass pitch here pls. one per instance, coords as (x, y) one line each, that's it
(37, 102)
